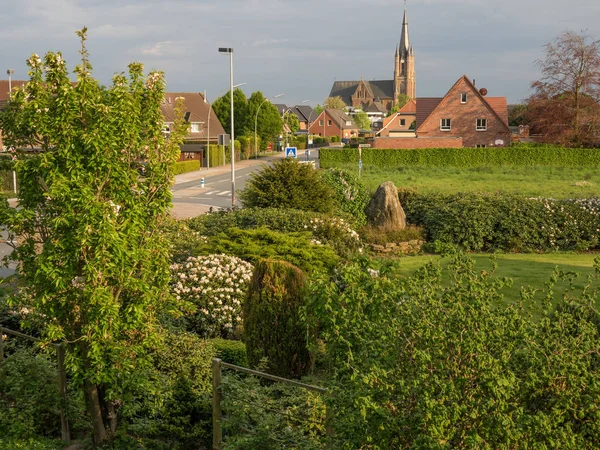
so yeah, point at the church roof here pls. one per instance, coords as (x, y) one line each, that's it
(381, 89)
(404, 39)
(376, 107)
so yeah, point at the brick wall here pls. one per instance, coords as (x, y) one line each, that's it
(420, 142)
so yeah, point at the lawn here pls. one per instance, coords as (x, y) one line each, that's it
(534, 181)
(525, 269)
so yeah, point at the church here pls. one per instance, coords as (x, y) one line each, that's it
(382, 94)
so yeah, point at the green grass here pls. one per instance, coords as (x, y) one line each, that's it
(525, 269)
(537, 181)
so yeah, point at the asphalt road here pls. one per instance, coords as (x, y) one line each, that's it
(217, 188)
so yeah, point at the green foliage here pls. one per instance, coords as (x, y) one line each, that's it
(272, 326)
(271, 416)
(288, 184)
(477, 222)
(252, 245)
(351, 197)
(185, 167)
(362, 120)
(334, 103)
(216, 156)
(34, 443)
(328, 230)
(29, 397)
(316, 111)
(402, 100)
(91, 259)
(380, 237)
(415, 363)
(518, 155)
(232, 352)
(222, 108)
(268, 122)
(292, 121)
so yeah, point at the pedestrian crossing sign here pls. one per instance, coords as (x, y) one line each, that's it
(291, 152)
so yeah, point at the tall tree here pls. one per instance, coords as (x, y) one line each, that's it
(242, 122)
(565, 104)
(361, 119)
(402, 100)
(269, 123)
(334, 103)
(292, 121)
(91, 258)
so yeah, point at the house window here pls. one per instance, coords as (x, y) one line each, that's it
(463, 97)
(402, 122)
(481, 125)
(329, 123)
(195, 127)
(481, 146)
(320, 123)
(348, 123)
(445, 124)
(188, 155)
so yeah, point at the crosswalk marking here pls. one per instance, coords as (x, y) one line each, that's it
(211, 192)
(224, 193)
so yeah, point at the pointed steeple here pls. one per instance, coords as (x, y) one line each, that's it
(404, 40)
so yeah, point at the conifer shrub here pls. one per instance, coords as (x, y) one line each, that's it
(272, 325)
(288, 184)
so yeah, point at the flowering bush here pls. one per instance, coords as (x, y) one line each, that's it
(216, 285)
(351, 197)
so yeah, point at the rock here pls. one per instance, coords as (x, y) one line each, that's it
(377, 248)
(414, 243)
(385, 211)
(390, 245)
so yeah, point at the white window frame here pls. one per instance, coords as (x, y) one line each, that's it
(329, 123)
(447, 126)
(195, 125)
(481, 125)
(348, 123)
(320, 123)
(463, 97)
(402, 122)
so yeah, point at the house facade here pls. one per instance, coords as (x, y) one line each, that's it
(334, 122)
(467, 113)
(362, 93)
(401, 123)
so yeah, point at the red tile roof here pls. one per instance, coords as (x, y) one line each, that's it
(409, 108)
(498, 104)
(425, 106)
(4, 87)
(194, 104)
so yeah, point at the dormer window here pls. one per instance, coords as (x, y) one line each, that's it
(348, 123)
(463, 97)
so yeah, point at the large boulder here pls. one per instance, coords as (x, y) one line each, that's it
(385, 211)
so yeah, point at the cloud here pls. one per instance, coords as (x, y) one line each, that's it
(169, 49)
(271, 41)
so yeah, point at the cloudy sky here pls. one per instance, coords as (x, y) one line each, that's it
(298, 47)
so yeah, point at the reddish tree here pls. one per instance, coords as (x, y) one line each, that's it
(565, 104)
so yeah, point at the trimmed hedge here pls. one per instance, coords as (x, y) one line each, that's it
(232, 352)
(186, 166)
(506, 222)
(519, 155)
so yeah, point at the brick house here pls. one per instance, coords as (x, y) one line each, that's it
(467, 113)
(399, 123)
(334, 122)
(202, 119)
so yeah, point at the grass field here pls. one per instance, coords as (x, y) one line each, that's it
(532, 270)
(540, 181)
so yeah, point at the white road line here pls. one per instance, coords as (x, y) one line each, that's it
(224, 193)
(201, 198)
(211, 192)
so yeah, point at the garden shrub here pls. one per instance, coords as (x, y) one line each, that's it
(29, 397)
(32, 443)
(333, 231)
(519, 155)
(216, 285)
(351, 197)
(300, 249)
(186, 166)
(442, 361)
(288, 184)
(272, 326)
(232, 352)
(507, 222)
(380, 237)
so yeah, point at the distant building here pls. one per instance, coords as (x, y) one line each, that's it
(361, 94)
(402, 123)
(334, 122)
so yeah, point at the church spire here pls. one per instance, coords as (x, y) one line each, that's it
(404, 40)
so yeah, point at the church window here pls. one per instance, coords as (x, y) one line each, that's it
(463, 97)
(445, 124)
(481, 125)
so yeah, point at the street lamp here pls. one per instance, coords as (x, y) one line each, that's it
(230, 51)
(9, 72)
(208, 127)
(256, 123)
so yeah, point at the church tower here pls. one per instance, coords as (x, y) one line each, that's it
(404, 68)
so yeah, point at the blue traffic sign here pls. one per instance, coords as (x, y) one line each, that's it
(291, 152)
(360, 163)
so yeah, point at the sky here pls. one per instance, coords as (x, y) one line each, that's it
(298, 48)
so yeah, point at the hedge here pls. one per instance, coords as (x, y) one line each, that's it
(519, 155)
(232, 352)
(186, 166)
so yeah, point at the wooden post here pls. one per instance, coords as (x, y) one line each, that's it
(62, 387)
(329, 421)
(1, 346)
(216, 404)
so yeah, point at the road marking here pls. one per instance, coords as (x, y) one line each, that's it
(201, 198)
(210, 193)
(224, 193)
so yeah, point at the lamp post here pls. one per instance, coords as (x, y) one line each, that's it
(256, 123)
(230, 51)
(9, 72)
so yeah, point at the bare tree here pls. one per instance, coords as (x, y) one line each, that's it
(565, 104)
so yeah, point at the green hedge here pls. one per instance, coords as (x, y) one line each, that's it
(186, 166)
(519, 155)
(216, 156)
(232, 352)
(481, 222)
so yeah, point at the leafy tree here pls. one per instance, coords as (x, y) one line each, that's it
(288, 184)
(402, 100)
(362, 120)
(291, 120)
(517, 115)
(92, 262)
(565, 104)
(242, 121)
(269, 122)
(334, 103)
(316, 111)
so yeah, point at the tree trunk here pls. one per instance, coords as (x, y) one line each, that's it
(92, 397)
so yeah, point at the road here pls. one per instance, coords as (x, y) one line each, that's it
(217, 188)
